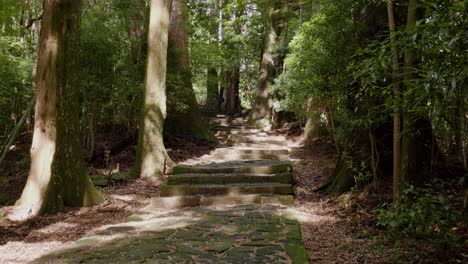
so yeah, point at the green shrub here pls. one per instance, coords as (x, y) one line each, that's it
(420, 215)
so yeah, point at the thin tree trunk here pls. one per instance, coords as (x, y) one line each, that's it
(374, 154)
(227, 80)
(396, 106)
(232, 97)
(408, 141)
(152, 155)
(212, 93)
(15, 131)
(57, 176)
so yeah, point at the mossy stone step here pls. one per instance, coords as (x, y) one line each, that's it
(239, 136)
(278, 199)
(258, 140)
(248, 133)
(177, 202)
(253, 151)
(253, 166)
(231, 126)
(251, 157)
(225, 189)
(220, 178)
(238, 129)
(258, 145)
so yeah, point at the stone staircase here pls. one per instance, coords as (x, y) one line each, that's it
(252, 168)
(258, 226)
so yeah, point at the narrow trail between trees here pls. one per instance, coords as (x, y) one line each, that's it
(232, 206)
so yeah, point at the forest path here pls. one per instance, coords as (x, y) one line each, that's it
(232, 206)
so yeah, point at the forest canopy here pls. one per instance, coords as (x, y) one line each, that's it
(384, 83)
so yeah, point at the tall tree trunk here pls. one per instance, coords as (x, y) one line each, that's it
(212, 93)
(233, 106)
(417, 139)
(212, 90)
(152, 155)
(187, 121)
(232, 93)
(262, 106)
(396, 106)
(227, 76)
(57, 176)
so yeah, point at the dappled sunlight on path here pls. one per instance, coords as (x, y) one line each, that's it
(221, 234)
(233, 205)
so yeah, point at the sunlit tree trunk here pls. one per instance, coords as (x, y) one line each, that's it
(263, 104)
(186, 120)
(152, 155)
(396, 107)
(57, 175)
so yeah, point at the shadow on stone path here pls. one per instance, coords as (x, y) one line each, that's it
(250, 220)
(237, 234)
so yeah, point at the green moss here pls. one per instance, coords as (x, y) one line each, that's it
(100, 180)
(297, 252)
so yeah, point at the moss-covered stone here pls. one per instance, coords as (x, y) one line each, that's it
(297, 252)
(100, 180)
(219, 246)
(122, 176)
(134, 218)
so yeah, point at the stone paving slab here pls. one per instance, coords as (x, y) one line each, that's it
(229, 178)
(250, 166)
(225, 189)
(246, 150)
(251, 157)
(226, 234)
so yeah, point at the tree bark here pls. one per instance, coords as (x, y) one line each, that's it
(231, 92)
(263, 104)
(187, 121)
(212, 95)
(212, 90)
(417, 139)
(57, 175)
(232, 98)
(152, 155)
(396, 106)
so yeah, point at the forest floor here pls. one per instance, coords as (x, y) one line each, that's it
(334, 229)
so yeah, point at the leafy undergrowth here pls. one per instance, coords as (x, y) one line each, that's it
(426, 224)
(362, 227)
